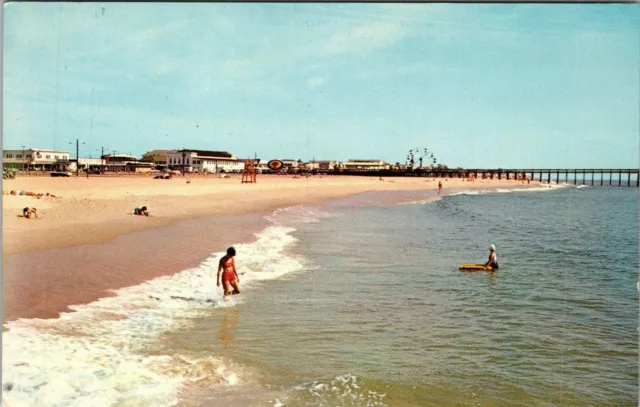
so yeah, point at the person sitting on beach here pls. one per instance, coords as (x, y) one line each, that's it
(227, 269)
(493, 258)
(141, 211)
(29, 213)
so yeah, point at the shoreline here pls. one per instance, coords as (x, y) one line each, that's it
(43, 277)
(102, 208)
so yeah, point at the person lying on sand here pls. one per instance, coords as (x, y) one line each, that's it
(30, 213)
(141, 211)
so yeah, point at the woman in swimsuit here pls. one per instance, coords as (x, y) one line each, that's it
(227, 269)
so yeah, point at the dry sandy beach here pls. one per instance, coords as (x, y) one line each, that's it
(86, 241)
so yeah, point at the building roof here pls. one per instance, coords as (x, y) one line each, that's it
(156, 152)
(139, 164)
(207, 153)
(41, 150)
(377, 160)
(120, 155)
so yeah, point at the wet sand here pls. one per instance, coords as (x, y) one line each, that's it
(87, 243)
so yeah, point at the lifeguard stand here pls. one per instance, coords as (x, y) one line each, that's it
(249, 173)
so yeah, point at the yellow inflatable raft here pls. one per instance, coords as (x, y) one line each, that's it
(474, 267)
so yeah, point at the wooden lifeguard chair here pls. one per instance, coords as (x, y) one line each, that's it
(249, 173)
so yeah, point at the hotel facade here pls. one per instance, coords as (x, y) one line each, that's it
(203, 161)
(37, 159)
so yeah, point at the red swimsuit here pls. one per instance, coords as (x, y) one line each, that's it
(229, 273)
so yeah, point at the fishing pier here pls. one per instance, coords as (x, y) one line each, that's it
(629, 177)
(619, 177)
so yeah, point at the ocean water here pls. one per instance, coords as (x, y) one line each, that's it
(359, 302)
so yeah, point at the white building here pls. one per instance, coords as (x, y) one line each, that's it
(204, 161)
(85, 163)
(289, 163)
(366, 165)
(118, 162)
(34, 159)
(321, 165)
(262, 166)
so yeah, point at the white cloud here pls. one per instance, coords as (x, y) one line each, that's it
(365, 37)
(315, 82)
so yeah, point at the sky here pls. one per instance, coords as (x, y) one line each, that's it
(478, 85)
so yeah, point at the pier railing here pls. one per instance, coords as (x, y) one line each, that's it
(584, 176)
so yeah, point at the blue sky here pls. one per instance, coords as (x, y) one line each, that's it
(498, 85)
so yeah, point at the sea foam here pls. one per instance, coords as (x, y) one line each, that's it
(542, 188)
(96, 355)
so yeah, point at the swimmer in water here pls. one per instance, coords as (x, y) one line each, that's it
(493, 258)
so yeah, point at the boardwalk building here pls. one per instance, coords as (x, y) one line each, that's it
(39, 159)
(204, 161)
(366, 165)
(158, 158)
(125, 163)
(321, 165)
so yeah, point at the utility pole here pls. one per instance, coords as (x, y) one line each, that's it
(184, 153)
(23, 158)
(77, 155)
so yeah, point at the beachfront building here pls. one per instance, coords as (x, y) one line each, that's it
(204, 161)
(288, 163)
(366, 165)
(159, 158)
(138, 166)
(125, 163)
(37, 159)
(321, 165)
(91, 164)
(262, 166)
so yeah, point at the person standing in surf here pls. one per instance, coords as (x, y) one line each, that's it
(227, 270)
(493, 258)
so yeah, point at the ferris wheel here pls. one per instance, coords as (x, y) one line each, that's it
(419, 154)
